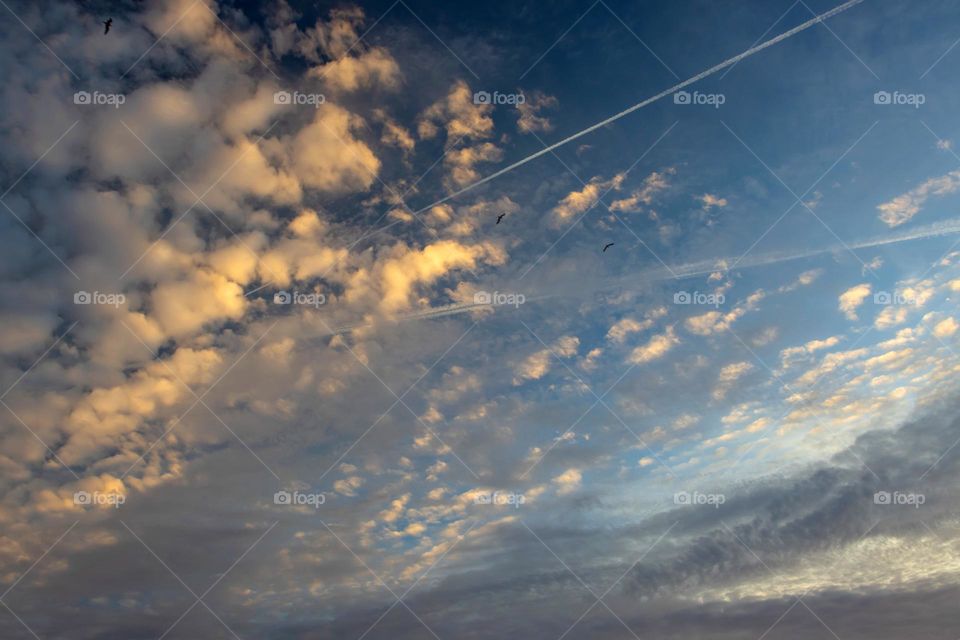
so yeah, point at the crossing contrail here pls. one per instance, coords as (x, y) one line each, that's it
(683, 271)
(700, 76)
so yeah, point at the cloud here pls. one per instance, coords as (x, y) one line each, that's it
(373, 68)
(326, 156)
(852, 298)
(711, 201)
(622, 329)
(728, 376)
(457, 113)
(462, 161)
(530, 120)
(402, 273)
(333, 38)
(652, 185)
(904, 207)
(394, 134)
(791, 355)
(568, 481)
(945, 328)
(185, 306)
(539, 363)
(576, 203)
(655, 348)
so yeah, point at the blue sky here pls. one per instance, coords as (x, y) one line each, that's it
(285, 355)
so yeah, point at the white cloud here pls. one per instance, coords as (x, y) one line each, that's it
(652, 185)
(539, 363)
(728, 377)
(568, 481)
(904, 207)
(578, 202)
(530, 119)
(945, 328)
(710, 201)
(852, 298)
(657, 347)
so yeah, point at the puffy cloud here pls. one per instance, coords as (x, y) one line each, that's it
(728, 377)
(530, 120)
(904, 207)
(400, 274)
(655, 348)
(375, 67)
(852, 298)
(457, 113)
(652, 185)
(539, 363)
(791, 354)
(712, 322)
(393, 133)
(621, 329)
(461, 161)
(578, 202)
(332, 38)
(710, 201)
(568, 481)
(184, 306)
(945, 328)
(348, 486)
(106, 415)
(326, 156)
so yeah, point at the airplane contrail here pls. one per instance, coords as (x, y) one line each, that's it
(700, 76)
(687, 270)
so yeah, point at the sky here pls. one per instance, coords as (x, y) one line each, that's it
(478, 320)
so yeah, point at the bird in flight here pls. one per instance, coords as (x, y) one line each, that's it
(106, 25)
(606, 247)
(500, 217)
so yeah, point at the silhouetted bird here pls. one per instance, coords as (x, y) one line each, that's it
(500, 217)
(106, 25)
(607, 247)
